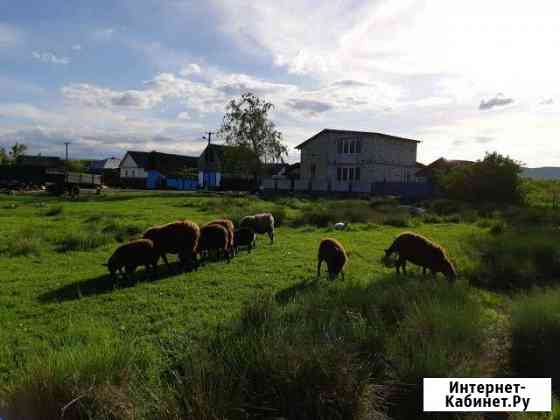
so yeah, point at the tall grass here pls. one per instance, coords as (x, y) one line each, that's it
(535, 334)
(331, 351)
(516, 259)
(90, 382)
(82, 241)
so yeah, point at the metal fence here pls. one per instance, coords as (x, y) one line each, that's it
(403, 189)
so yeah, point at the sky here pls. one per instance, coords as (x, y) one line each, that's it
(463, 77)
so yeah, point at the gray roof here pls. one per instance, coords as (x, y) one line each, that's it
(353, 132)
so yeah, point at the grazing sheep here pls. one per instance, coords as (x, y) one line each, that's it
(228, 224)
(180, 238)
(260, 223)
(423, 252)
(244, 237)
(331, 251)
(129, 256)
(214, 238)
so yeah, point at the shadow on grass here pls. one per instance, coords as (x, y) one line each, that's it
(286, 295)
(104, 284)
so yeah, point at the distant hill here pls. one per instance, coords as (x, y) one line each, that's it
(546, 172)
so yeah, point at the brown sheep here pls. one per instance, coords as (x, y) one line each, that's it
(180, 238)
(423, 252)
(214, 238)
(331, 251)
(244, 237)
(130, 256)
(228, 224)
(260, 223)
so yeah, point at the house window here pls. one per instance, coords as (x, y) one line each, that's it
(344, 174)
(126, 173)
(357, 173)
(350, 174)
(338, 174)
(339, 146)
(351, 147)
(313, 169)
(358, 146)
(346, 147)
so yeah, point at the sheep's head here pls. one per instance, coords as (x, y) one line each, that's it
(449, 270)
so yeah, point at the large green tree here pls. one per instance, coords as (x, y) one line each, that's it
(496, 178)
(247, 126)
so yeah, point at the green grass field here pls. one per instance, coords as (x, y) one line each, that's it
(204, 344)
(52, 298)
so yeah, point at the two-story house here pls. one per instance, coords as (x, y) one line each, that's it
(339, 159)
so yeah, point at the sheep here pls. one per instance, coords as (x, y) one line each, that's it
(260, 223)
(331, 251)
(180, 238)
(214, 238)
(228, 224)
(423, 252)
(129, 256)
(244, 237)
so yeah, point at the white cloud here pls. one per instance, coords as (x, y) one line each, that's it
(183, 116)
(49, 57)
(499, 100)
(76, 47)
(190, 69)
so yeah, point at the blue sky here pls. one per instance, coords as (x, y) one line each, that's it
(463, 77)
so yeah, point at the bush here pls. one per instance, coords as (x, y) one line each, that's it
(82, 241)
(494, 179)
(516, 259)
(535, 335)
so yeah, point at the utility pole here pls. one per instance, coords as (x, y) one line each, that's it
(66, 143)
(210, 137)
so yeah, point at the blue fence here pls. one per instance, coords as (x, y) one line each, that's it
(182, 184)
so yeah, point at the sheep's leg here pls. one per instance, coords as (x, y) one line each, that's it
(404, 267)
(319, 268)
(271, 236)
(424, 271)
(164, 257)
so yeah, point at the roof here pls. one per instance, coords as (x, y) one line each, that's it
(441, 164)
(165, 163)
(109, 163)
(351, 132)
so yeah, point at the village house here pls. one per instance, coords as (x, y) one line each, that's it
(108, 168)
(158, 170)
(355, 161)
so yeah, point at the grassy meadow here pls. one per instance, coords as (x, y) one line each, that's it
(259, 337)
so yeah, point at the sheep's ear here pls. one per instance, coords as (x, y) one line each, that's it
(349, 254)
(105, 264)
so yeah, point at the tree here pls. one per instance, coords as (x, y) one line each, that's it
(17, 150)
(3, 156)
(247, 126)
(496, 178)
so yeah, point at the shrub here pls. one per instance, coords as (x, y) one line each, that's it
(432, 218)
(82, 241)
(516, 259)
(535, 333)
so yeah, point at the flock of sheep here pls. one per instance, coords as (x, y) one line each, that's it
(194, 244)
